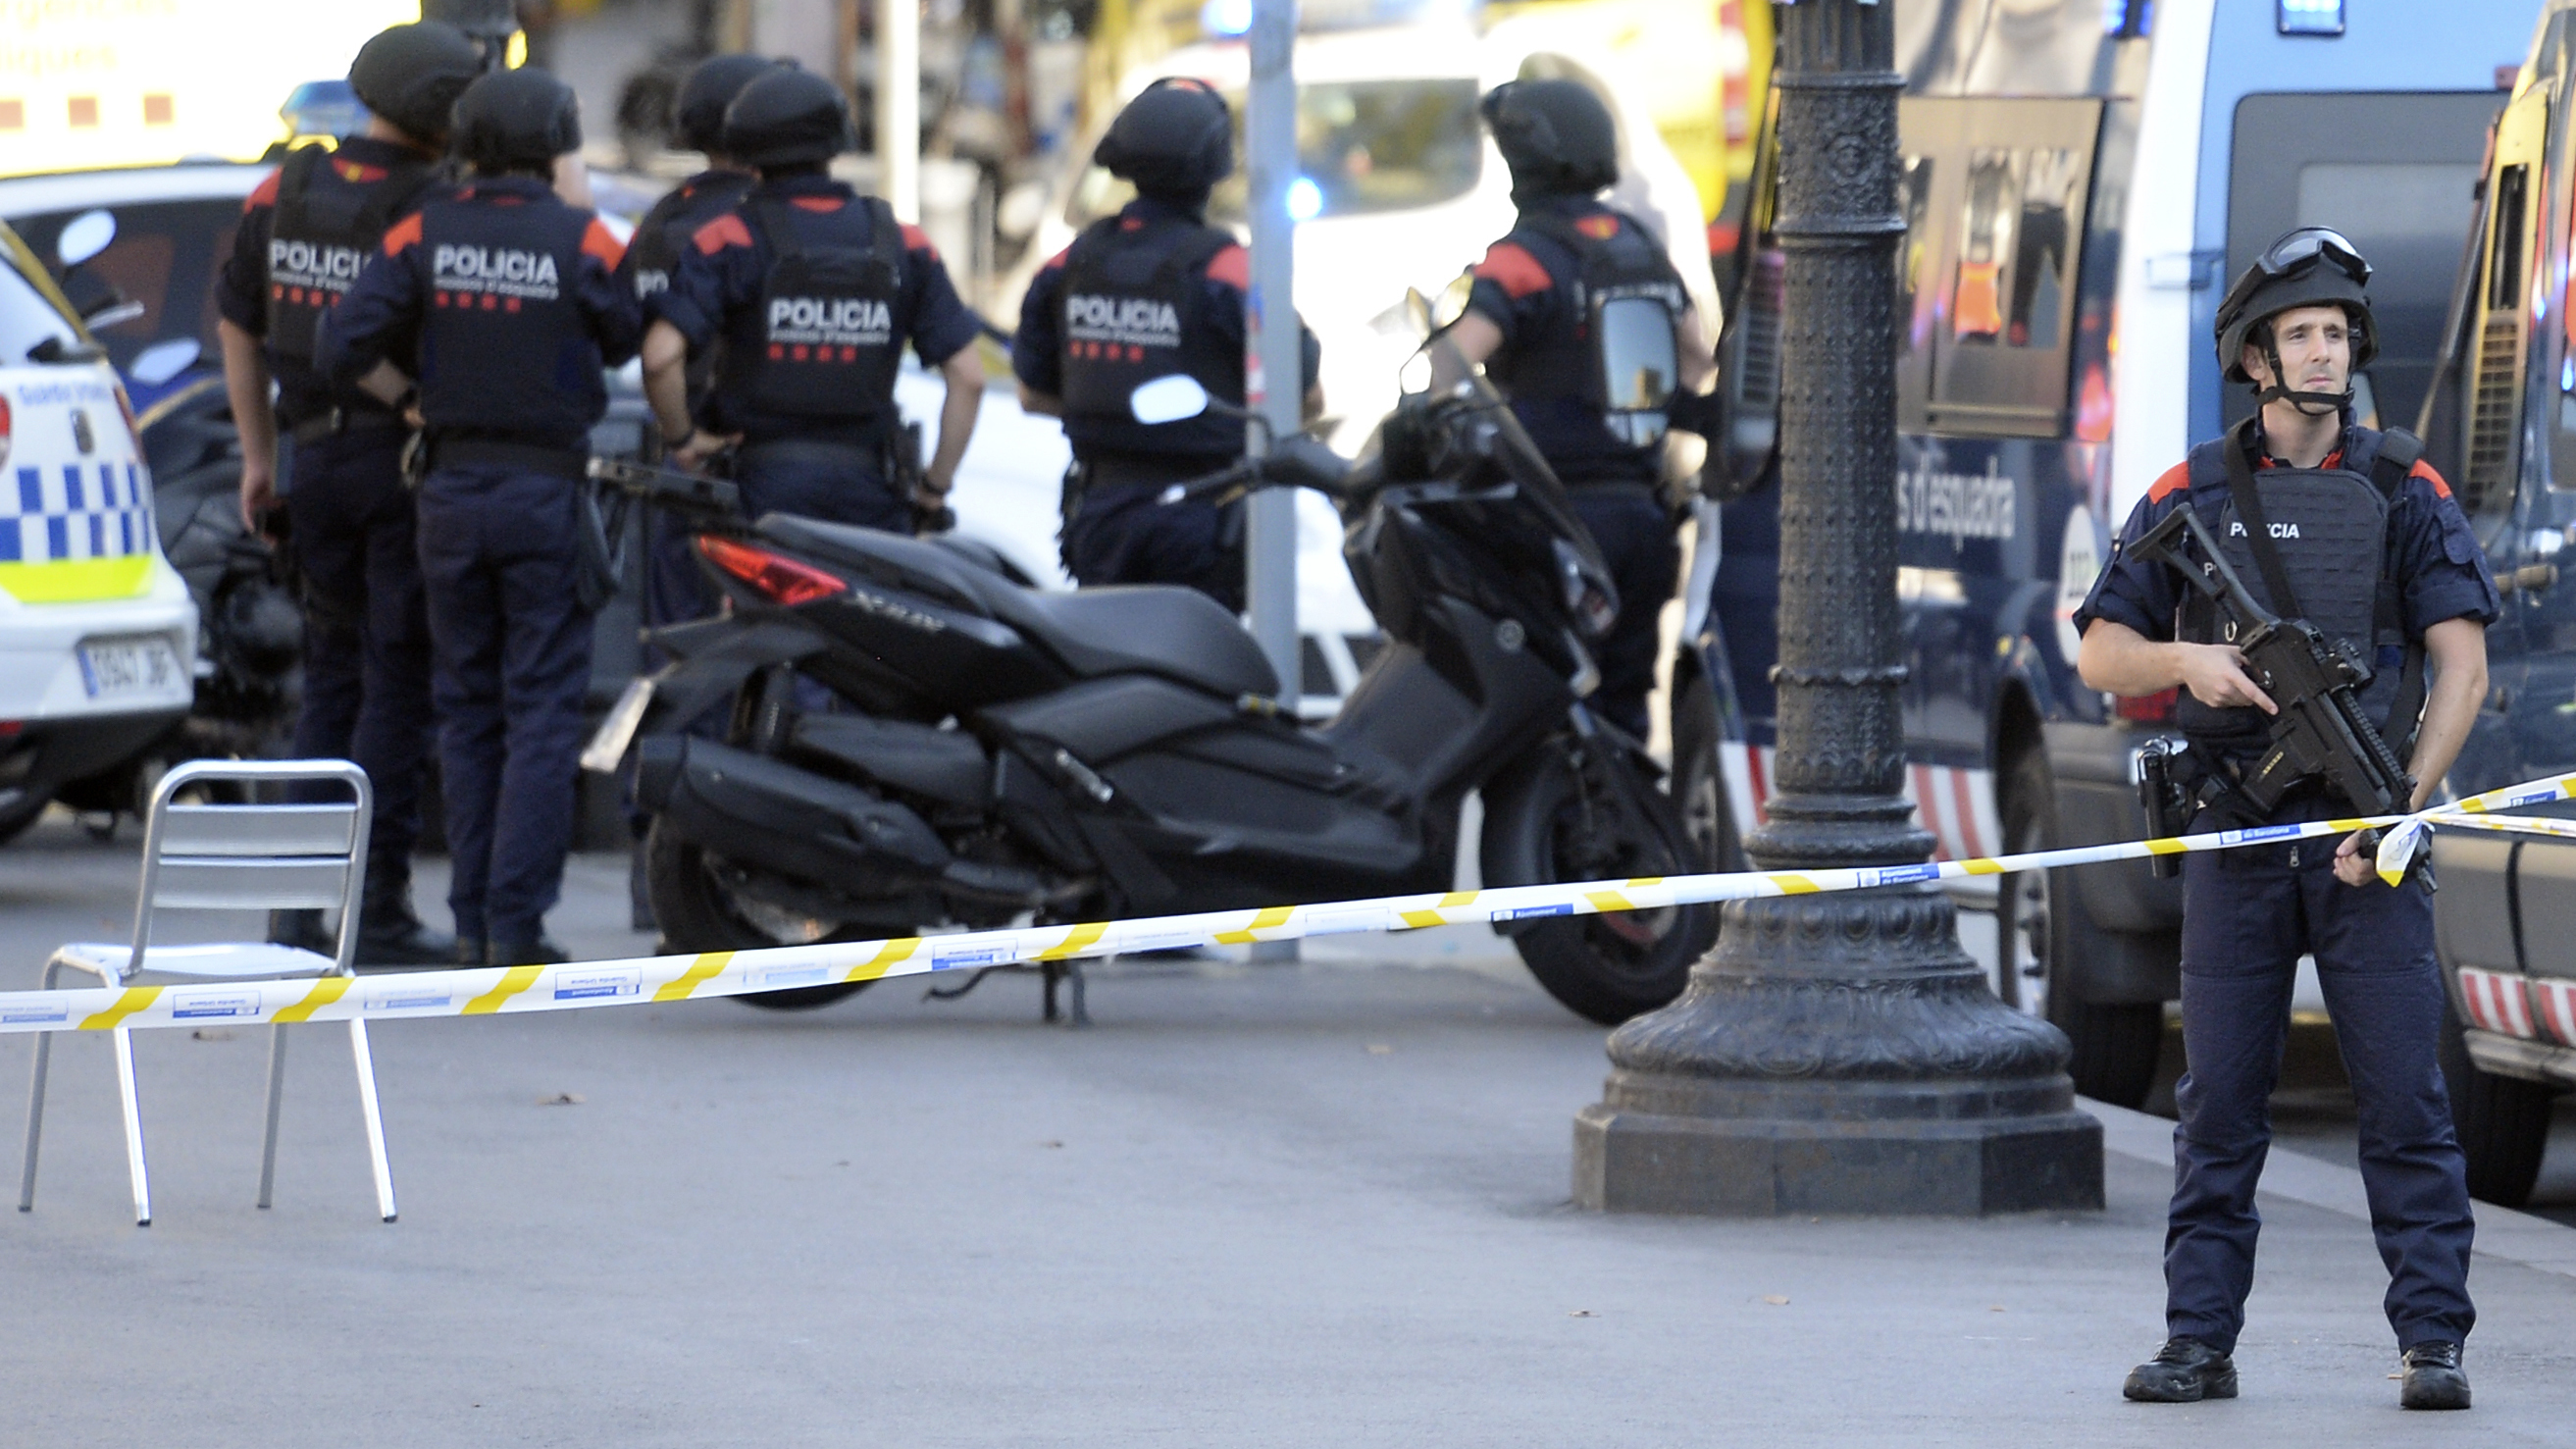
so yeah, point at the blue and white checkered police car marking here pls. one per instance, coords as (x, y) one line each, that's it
(76, 511)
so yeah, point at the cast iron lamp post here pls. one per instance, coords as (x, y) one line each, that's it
(1838, 1053)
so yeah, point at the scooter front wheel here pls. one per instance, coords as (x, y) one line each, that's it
(698, 911)
(1548, 819)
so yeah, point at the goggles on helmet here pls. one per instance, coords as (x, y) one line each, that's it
(2309, 245)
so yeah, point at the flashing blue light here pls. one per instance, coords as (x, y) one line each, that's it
(1226, 17)
(2311, 17)
(1305, 200)
(2125, 19)
(2567, 375)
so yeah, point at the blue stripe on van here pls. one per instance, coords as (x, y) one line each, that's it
(31, 492)
(72, 487)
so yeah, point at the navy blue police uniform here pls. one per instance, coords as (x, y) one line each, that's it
(1149, 292)
(2248, 915)
(306, 232)
(504, 304)
(1528, 286)
(674, 590)
(813, 290)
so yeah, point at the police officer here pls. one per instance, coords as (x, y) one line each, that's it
(503, 302)
(304, 234)
(812, 290)
(1151, 291)
(2376, 552)
(1532, 319)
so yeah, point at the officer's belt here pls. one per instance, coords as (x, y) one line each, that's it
(829, 452)
(335, 422)
(569, 463)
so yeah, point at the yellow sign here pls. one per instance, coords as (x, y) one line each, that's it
(91, 83)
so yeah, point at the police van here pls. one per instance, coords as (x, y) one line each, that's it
(2080, 181)
(97, 634)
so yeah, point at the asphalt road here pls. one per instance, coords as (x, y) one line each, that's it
(1320, 1203)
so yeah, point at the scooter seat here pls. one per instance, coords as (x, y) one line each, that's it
(1149, 629)
(1180, 634)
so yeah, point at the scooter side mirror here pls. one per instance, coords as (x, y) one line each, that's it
(1169, 399)
(1417, 311)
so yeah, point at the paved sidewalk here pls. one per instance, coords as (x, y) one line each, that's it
(1321, 1204)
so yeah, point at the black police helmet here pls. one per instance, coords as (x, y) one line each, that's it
(786, 118)
(698, 113)
(412, 74)
(1556, 136)
(1176, 139)
(2308, 267)
(517, 120)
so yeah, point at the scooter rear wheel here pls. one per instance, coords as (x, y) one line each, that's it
(697, 911)
(1544, 824)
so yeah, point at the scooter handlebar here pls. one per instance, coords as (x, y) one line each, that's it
(1296, 461)
(688, 493)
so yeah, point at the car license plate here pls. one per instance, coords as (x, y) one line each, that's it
(115, 668)
(608, 746)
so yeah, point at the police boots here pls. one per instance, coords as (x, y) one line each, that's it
(2184, 1371)
(2433, 1378)
(389, 934)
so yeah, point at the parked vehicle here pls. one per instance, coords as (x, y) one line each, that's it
(2501, 424)
(96, 631)
(904, 742)
(2078, 183)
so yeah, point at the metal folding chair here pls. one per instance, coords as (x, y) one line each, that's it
(233, 857)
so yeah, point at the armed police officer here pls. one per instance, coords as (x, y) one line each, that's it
(1151, 291)
(673, 589)
(1535, 319)
(305, 232)
(2341, 525)
(503, 303)
(812, 290)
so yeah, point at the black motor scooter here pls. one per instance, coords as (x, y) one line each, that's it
(882, 735)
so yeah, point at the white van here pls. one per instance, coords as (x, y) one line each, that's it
(98, 637)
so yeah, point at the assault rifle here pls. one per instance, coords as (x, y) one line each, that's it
(2320, 730)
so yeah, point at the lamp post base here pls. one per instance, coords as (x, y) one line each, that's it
(1646, 1162)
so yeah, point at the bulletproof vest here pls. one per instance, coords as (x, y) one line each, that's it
(505, 348)
(822, 343)
(1132, 302)
(1622, 279)
(663, 234)
(2330, 526)
(665, 230)
(322, 232)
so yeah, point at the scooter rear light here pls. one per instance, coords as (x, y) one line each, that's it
(779, 579)
(2156, 708)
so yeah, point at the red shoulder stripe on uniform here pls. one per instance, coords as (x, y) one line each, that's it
(917, 240)
(820, 205)
(2425, 471)
(404, 233)
(264, 194)
(725, 231)
(2175, 479)
(598, 241)
(1510, 266)
(1056, 262)
(1233, 266)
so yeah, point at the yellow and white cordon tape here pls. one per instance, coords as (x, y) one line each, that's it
(485, 991)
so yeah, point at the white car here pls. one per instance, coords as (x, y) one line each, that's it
(98, 637)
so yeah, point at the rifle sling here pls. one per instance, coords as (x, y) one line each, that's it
(2258, 532)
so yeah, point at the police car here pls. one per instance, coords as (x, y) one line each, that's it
(97, 634)
(2079, 183)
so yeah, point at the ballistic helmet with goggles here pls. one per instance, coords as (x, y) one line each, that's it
(698, 112)
(1555, 135)
(787, 117)
(1175, 140)
(517, 120)
(412, 74)
(2310, 267)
